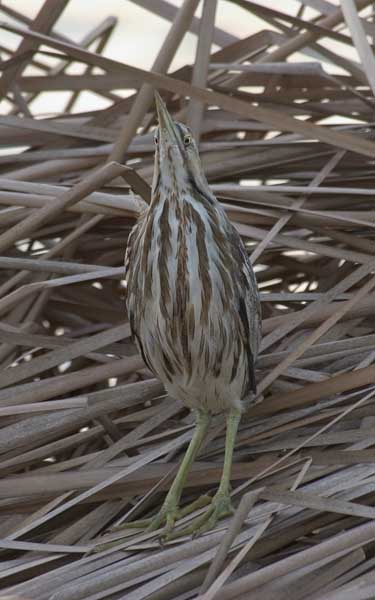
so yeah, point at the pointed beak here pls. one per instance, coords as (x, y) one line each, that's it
(168, 129)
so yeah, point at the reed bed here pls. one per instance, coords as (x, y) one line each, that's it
(88, 439)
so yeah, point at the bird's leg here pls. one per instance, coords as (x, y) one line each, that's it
(169, 512)
(233, 421)
(221, 505)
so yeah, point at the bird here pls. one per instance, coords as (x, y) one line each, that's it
(193, 307)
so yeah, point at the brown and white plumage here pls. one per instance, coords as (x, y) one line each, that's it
(192, 297)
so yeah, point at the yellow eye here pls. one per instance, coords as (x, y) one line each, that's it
(187, 140)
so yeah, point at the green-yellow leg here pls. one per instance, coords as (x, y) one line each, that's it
(233, 421)
(169, 512)
(221, 505)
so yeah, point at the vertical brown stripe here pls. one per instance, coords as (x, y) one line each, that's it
(165, 251)
(203, 265)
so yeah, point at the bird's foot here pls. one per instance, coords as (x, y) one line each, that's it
(219, 508)
(170, 513)
(167, 517)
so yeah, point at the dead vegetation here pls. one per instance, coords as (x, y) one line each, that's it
(285, 121)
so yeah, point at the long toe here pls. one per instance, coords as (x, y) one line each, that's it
(200, 502)
(139, 524)
(166, 518)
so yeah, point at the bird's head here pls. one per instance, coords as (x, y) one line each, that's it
(177, 163)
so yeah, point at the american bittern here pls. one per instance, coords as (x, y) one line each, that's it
(193, 304)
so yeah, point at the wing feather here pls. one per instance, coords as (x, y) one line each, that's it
(131, 250)
(248, 304)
